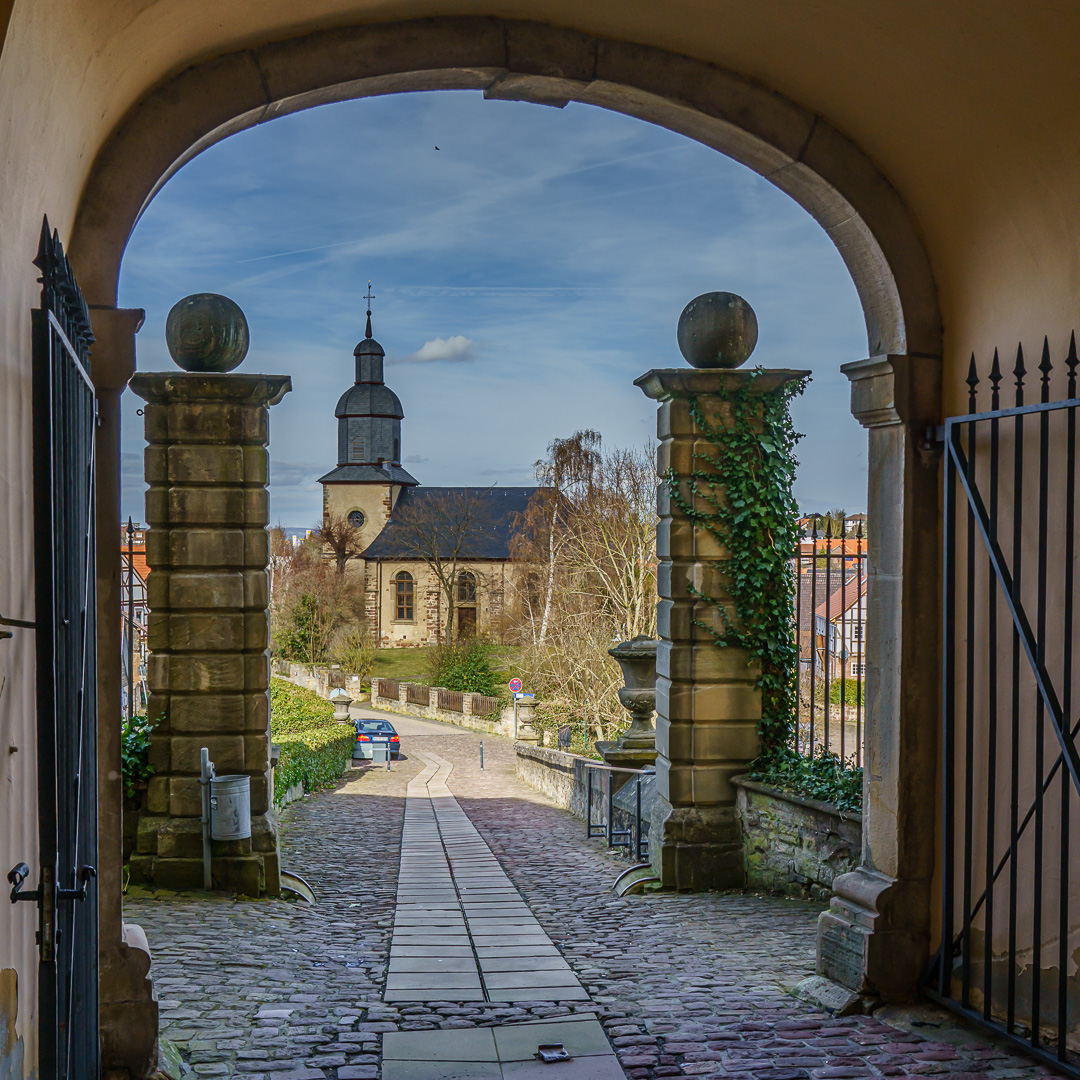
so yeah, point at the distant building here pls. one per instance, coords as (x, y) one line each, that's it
(134, 576)
(404, 602)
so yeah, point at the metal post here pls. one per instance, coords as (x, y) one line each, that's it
(610, 808)
(515, 718)
(482, 753)
(637, 827)
(131, 620)
(588, 801)
(206, 772)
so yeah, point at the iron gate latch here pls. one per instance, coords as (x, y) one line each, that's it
(45, 896)
(16, 877)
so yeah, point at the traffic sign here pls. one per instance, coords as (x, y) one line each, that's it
(515, 686)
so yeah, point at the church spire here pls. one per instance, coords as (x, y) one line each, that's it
(368, 297)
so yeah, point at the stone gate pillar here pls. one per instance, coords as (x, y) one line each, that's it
(207, 466)
(875, 938)
(707, 703)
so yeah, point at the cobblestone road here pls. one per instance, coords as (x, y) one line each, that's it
(685, 985)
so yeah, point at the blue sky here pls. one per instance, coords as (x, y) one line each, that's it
(525, 273)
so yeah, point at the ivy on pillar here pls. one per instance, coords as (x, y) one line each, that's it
(709, 666)
(207, 507)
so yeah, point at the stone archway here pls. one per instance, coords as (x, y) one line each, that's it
(878, 934)
(795, 149)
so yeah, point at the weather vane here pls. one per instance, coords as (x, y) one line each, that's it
(368, 296)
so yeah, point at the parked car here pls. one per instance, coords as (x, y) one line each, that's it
(372, 733)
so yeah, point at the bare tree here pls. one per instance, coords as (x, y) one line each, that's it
(311, 605)
(586, 553)
(567, 476)
(444, 528)
(342, 537)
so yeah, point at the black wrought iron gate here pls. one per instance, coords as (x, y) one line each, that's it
(64, 421)
(1010, 916)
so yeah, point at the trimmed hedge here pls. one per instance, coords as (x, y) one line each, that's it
(314, 749)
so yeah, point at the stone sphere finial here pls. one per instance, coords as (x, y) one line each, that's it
(207, 332)
(717, 330)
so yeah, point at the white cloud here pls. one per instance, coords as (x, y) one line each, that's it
(456, 349)
(295, 473)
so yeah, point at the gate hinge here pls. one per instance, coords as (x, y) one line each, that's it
(933, 437)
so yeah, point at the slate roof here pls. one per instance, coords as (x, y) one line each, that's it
(501, 506)
(368, 474)
(369, 399)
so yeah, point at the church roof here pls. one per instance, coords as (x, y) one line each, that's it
(500, 507)
(369, 399)
(368, 474)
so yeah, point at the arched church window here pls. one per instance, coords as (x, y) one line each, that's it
(397, 449)
(466, 587)
(357, 448)
(357, 519)
(403, 592)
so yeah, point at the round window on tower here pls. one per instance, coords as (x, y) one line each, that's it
(356, 519)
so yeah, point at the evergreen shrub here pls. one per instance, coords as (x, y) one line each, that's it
(464, 665)
(314, 748)
(825, 777)
(852, 692)
(135, 764)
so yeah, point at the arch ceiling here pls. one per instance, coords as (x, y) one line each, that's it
(793, 147)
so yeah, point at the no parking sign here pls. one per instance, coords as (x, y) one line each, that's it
(515, 686)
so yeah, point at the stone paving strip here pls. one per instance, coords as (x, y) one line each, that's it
(461, 929)
(502, 1052)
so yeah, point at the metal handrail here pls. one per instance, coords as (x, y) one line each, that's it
(631, 837)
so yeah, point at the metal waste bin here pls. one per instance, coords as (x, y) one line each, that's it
(230, 807)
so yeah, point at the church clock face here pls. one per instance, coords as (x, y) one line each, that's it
(357, 519)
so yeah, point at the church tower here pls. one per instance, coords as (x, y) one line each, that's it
(368, 479)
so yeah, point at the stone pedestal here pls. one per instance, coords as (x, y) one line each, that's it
(207, 507)
(526, 715)
(707, 704)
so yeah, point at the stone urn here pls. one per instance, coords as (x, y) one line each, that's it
(636, 747)
(526, 714)
(341, 702)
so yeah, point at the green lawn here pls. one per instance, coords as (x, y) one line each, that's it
(410, 665)
(407, 664)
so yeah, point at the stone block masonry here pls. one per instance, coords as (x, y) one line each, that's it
(792, 845)
(207, 507)
(707, 701)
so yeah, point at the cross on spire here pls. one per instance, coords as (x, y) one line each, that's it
(368, 296)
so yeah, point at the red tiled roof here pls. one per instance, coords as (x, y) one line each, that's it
(138, 559)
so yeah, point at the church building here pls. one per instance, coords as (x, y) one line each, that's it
(403, 600)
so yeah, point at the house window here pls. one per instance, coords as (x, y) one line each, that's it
(466, 588)
(357, 448)
(403, 593)
(857, 670)
(857, 631)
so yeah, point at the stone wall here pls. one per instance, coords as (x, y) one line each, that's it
(322, 681)
(492, 725)
(794, 846)
(554, 773)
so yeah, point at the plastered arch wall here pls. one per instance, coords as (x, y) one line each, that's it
(796, 150)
